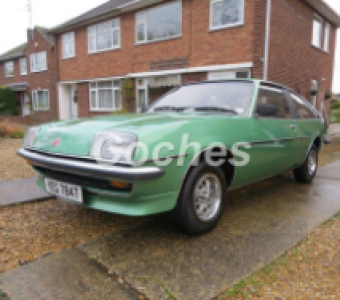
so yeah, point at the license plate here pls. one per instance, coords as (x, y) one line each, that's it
(64, 190)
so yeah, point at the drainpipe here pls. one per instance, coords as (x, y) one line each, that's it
(267, 40)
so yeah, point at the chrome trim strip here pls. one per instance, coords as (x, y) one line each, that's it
(279, 140)
(58, 154)
(92, 169)
(163, 158)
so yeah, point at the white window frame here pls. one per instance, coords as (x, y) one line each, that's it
(64, 39)
(6, 64)
(144, 86)
(241, 23)
(23, 72)
(232, 74)
(327, 35)
(113, 29)
(33, 65)
(145, 22)
(317, 17)
(35, 97)
(113, 89)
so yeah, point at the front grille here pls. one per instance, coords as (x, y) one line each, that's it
(80, 180)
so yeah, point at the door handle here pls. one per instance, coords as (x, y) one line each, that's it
(293, 126)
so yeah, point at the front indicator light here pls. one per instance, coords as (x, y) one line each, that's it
(121, 185)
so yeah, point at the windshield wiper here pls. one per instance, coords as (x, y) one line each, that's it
(171, 108)
(216, 108)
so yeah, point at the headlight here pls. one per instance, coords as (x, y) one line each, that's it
(116, 147)
(30, 136)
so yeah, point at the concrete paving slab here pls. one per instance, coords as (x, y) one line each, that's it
(20, 191)
(258, 228)
(331, 171)
(69, 275)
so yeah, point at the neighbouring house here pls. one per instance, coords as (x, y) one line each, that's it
(31, 71)
(158, 45)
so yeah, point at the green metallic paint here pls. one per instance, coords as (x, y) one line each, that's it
(275, 148)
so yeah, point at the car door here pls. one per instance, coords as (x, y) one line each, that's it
(308, 125)
(273, 135)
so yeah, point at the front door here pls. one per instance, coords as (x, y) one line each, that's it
(274, 135)
(73, 102)
(25, 105)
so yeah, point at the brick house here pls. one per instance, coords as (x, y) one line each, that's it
(31, 71)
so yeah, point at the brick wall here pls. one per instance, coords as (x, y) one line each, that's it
(293, 60)
(197, 46)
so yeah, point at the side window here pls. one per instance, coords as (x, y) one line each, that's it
(302, 109)
(273, 98)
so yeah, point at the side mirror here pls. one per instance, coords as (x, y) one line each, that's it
(144, 109)
(267, 110)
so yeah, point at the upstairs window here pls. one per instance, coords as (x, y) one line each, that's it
(38, 62)
(327, 36)
(41, 101)
(317, 32)
(104, 36)
(9, 69)
(226, 13)
(159, 23)
(68, 42)
(23, 66)
(105, 96)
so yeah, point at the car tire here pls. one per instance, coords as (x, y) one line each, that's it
(200, 205)
(307, 172)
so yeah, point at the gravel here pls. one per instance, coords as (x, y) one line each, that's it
(11, 165)
(32, 230)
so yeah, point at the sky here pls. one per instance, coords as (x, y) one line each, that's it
(14, 21)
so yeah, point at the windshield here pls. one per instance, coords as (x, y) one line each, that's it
(228, 97)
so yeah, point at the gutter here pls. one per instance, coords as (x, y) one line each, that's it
(267, 40)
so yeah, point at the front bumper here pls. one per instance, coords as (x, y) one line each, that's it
(78, 167)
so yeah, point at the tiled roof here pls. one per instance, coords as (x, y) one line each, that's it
(96, 12)
(44, 32)
(16, 52)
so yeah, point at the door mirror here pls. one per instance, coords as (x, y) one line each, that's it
(144, 109)
(267, 110)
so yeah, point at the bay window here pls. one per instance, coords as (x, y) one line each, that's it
(159, 23)
(226, 13)
(40, 100)
(105, 96)
(104, 36)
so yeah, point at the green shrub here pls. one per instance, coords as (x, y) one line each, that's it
(8, 102)
(335, 105)
(336, 113)
(122, 111)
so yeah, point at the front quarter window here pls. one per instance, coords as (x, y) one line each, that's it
(233, 96)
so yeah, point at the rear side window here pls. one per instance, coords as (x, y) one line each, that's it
(274, 96)
(302, 108)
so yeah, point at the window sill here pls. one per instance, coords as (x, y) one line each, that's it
(23, 74)
(106, 50)
(320, 49)
(226, 27)
(69, 57)
(11, 76)
(39, 71)
(158, 41)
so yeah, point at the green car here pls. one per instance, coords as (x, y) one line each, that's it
(182, 154)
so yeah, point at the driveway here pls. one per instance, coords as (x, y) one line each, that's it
(157, 261)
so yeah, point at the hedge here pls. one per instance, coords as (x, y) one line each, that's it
(8, 102)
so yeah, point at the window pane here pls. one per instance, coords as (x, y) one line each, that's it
(141, 98)
(105, 99)
(303, 111)
(104, 40)
(227, 12)
(141, 32)
(116, 83)
(118, 99)
(275, 97)
(242, 74)
(23, 66)
(104, 27)
(164, 21)
(92, 43)
(116, 23)
(317, 31)
(116, 38)
(105, 84)
(93, 99)
(327, 34)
